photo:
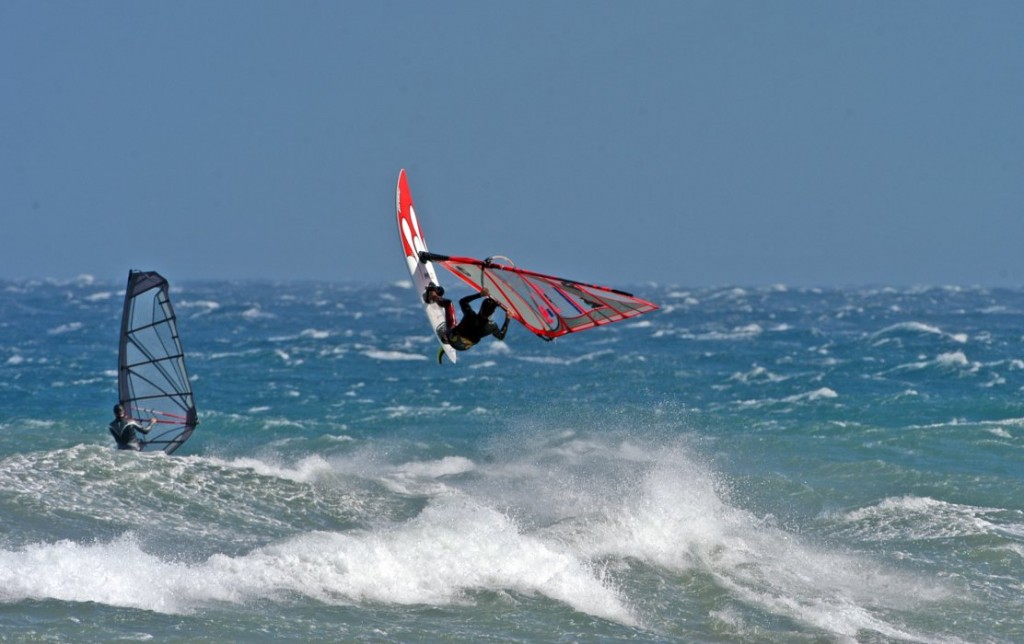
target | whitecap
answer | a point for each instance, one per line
(554, 360)
(817, 394)
(204, 307)
(455, 545)
(918, 518)
(952, 359)
(379, 354)
(255, 313)
(447, 466)
(916, 327)
(408, 411)
(307, 470)
(920, 327)
(757, 374)
(65, 328)
(677, 519)
(678, 295)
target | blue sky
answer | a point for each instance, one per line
(690, 143)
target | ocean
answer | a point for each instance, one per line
(743, 465)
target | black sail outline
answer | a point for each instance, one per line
(152, 380)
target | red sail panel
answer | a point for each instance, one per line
(548, 306)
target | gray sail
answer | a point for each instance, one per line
(152, 381)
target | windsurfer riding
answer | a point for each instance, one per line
(474, 326)
(124, 428)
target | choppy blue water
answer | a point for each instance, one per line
(741, 466)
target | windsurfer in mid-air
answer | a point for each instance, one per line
(474, 326)
(124, 428)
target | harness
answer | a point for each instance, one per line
(125, 435)
(459, 343)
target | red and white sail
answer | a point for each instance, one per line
(422, 273)
(548, 306)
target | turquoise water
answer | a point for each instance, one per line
(743, 465)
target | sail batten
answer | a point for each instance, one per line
(151, 364)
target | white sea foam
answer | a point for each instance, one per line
(920, 327)
(686, 297)
(554, 360)
(380, 354)
(65, 328)
(117, 573)
(455, 545)
(1000, 432)
(919, 518)
(729, 294)
(433, 469)
(576, 502)
(950, 361)
(913, 327)
(203, 307)
(757, 374)
(745, 332)
(232, 354)
(410, 411)
(256, 313)
(273, 423)
(425, 477)
(658, 505)
(823, 393)
(306, 470)
(817, 394)
(287, 358)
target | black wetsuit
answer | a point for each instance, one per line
(124, 430)
(474, 327)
